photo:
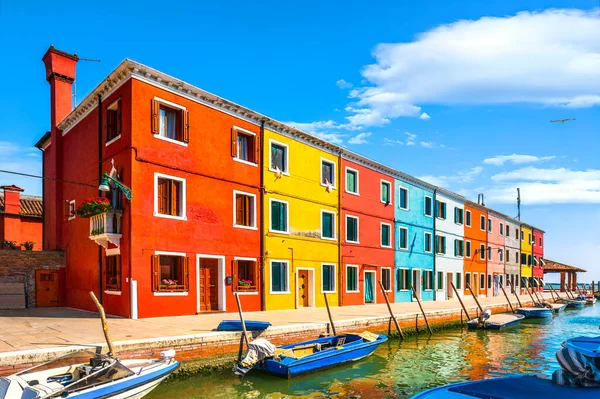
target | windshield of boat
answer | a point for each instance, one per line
(112, 372)
(71, 359)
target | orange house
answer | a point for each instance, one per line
(476, 225)
(20, 219)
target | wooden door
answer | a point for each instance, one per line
(46, 288)
(303, 290)
(209, 298)
(449, 290)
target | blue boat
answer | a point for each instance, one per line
(236, 325)
(574, 303)
(535, 313)
(558, 307)
(587, 346)
(495, 322)
(512, 387)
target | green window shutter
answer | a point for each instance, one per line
(282, 216)
(327, 222)
(275, 216)
(276, 276)
(385, 235)
(350, 181)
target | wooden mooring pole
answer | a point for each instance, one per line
(111, 349)
(551, 291)
(529, 292)
(329, 314)
(390, 310)
(244, 332)
(422, 311)
(461, 302)
(475, 297)
(516, 295)
(506, 296)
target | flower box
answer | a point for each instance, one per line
(93, 206)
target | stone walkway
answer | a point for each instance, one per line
(32, 329)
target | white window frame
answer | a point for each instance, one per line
(541, 242)
(463, 251)
(166, 293)
(423, 274)
(334, 238)
(501, 229)
(501, 255)
(389, 269)
(117, 137)
(458, 209)
(334, 278)
(287, 277)
(400, 235)
(170, 105)
(484, 281)
(287, 157)
(254, 227)
(482, 254)
(249, 133)
(469, 218)
(390, 191)
(431, 243)
(357, 280)
(484, 223)
(522, 235)
(490, 253)
(182, 203)
(400, 188)
(74, 215)
(470, 249)
(346, 169)
(409, 274)
(357, 229)
(390, 237)
(334, 182)
(287, 216)
(425, 206)
(490, 226)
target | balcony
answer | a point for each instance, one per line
(106, 228)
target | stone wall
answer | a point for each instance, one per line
(20, 266)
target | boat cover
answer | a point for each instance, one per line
(525, 387)
(258, 350)
(576, 370)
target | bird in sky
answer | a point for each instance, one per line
(563, 120)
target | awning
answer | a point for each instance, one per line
(542, 260)
(535, 261)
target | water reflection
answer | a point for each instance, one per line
(401, 369)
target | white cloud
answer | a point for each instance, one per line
(426, 144)
(360, 138)
(462, 177)
(411, 138)
(425, 116)
(499, 160)
(20, 159)
(326, 130)
(387, 141)
(342, 84)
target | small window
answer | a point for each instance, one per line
(440, 280)
(113, 273)
(440, 244)
(489, 225)
(458, 281)
(482, 252)
(352, 229)
(440, 209)
(245, 210)
(279, 157)
(501, 254)
(523, 258)
(529, 260)
(170, 273)
(385, 235)
(540, 242)
(403, 280)
(517, 257)
(458, 215)
(467, 280)
(72, 210)
(507, 254)
(482, 223)
(522, 236)
(351, 181)
(170, 199)
(501, 229)
(428, 242)
(428, 280)
(385, 192)
(328, 278)
(386, 278)
(279, 216)
(170, 121)
(489, 278)
(403, 198)
(459, 248)
(279, 276)
(468, 249)
(428, 206)
(246, 275)
(529, 238)
(489, 253)
(468, 218)
(327, 173)
(243, 145)
(328, 225)
(507, 230)
(351, 278)
(113, 121)
(482, 281)
(403, 237)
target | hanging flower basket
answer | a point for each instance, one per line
(93, 206)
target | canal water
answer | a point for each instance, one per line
(401, 369)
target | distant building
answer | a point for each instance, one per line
(20, 219)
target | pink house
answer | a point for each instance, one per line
(496, 233)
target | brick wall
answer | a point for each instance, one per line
(20, 266)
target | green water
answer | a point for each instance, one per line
(401, 369)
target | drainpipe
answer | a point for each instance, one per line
(262, 216)
(99, 192)
(434, 214)
(339, 229)
(43, 193)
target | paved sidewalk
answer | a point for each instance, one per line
(54, 327)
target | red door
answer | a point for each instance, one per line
(209, 300)
(46, 288)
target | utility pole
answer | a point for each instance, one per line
(518, 203)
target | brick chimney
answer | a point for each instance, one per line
(60, 73)
(12, 199)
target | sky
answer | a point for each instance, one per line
(458, 93)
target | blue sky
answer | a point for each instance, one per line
(457, 92)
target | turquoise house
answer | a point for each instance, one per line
(414, 239)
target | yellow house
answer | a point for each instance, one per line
(301, 223)
(526, 253)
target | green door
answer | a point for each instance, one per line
(369, 298)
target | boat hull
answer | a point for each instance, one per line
(497, 323)
(575, 304)
(535, 313)
(236, 325)
(587, 346)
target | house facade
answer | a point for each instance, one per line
(496, 234)
(512, 252)
(20, 219)
(526, 238)
(538, 258)
(475, 252)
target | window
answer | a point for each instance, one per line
(327, 225)
(279, 216)
(243, 145)
(482, 281)
(112, 123)
(517, 257)
(428, 242)
(489, 278)
(403, 282)
(529, 260)
(458, 281)
(507, 254)
(351, 181)
(352, 278)
(468, 249)
(489, 253)
(351, 229)
(386, 278)
(428, 206)
(403, 198)
(440, 244)
(507, 230)
(327, 173)
(279, 277)
(385, 192)
(540, 242)
(244, 210)
(279, 157)
(529, 238)
(428, 280)
(245, 275)
(385, 235)
(113, 273)
(490, 225)
(517, 233)
(170, 273)
(482, 252)
(440, 209)
(170, 121)
(501, 229)
(467, 280)
(71, 212)
(523, 258)
(440, 280)
(468, 218)
(501, 254)
(482, 223)
(328, 278)
(522, 236)
(169, 196)
(403, 237)
(459, 248)
(458, 215)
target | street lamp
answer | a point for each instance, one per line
(104, 185)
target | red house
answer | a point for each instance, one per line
(189, 233)
(20, 219)
(538, 257)
(367, 240)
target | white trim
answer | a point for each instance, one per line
(244, 130)
(254, 227)
(391, 277)
(469, 218)
(134, 299)
(482, 254)
(171, 293)
(484, 223)
(357, 280)
(425, 206)
(181, 143)
(221, 294)
(311, 279)
(334, 238)
(400, 188)
(112, 251)
(243, 258)
(425, 271)
(400, 237)
(169, 103)
(69, 210)
(334, 183)
(490, 226)
(443, 281)
(334, 278)
(470, 249)
(247, 293)
(357, 229)
(374, 284)
(287, 157)
(168, 253)
(390, 235)
(109, 142)
(287, 216)
(419, 287)
(456, 247)
(390, 191)
(425, 233)
(287, 277)
(247, 133)
(183, 202)
(346, 169)
(236, 159)
(409, 275)
(109, 292)
(501, 229)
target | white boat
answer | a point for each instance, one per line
(89, 375)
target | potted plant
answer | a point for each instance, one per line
(28, 245)
(244, 285)
(93, 206)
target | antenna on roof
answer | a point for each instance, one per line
(75, 82)
(518, 203)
